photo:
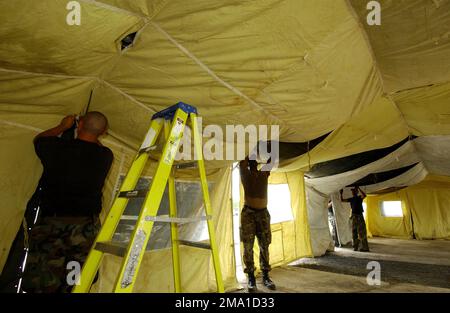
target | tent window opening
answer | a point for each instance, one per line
(391, 208)
(279, 204)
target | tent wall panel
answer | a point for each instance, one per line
(396, 227)
(427, 203)
(20, 172)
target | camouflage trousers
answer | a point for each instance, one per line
(359, 231)
(53, 243)
(255, 223)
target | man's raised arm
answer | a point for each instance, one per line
(65, 124)
(363, 193)
(243, 166)
(342, 199)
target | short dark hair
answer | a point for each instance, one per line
(95, 123)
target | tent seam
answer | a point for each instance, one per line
(18, 125)
(212, 74)
(126, 95)
(367, 41)
(93, 78)
(48, 74)
(437, 84)
(38, 130)
(114, 8)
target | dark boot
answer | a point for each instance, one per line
(355, 244)
(251, 284)
(365, 246)
(268, 282)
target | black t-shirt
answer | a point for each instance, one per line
(73, 178)
(356, 204)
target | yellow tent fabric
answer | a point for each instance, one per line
(427, 203)
(311, 67)
(381, 226)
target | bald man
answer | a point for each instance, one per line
(70, 202)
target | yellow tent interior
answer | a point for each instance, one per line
(311, 67)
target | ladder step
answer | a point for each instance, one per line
(114, 248)
(177, 220)
(147, 149)
(181, 166)
(200, 245)
(133, 194)
(120, 248)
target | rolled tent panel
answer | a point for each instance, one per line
(351, 162)
(321, 240)
(380, 177)
(379, 125)
(434, 151)
(342, 213)
(402, 156)
(414, 176)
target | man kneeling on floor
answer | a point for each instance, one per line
(358, 224)
(255, 221)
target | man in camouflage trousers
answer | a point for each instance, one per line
(255, 222)
(56, 242)
(358, 224)
(69, 205)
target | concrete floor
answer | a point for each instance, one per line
(406, 266)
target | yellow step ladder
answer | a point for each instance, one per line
(173, 120)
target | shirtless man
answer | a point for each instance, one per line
(255, 221)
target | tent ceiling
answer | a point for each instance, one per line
(313, 67)
(412, 44)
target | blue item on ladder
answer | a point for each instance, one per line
(169, 113)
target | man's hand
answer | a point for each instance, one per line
(67, 122)
(362, 192)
